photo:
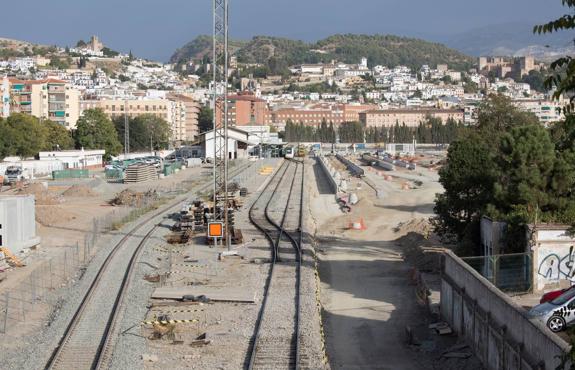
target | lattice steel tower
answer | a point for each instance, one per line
(220, 86)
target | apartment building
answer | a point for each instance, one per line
(409, 117)
(351, 111)
(547, 111)
(50, 99)
(245, 110)
(185, 113)
(307, 116)
(179, 110)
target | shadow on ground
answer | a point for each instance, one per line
(370, 303)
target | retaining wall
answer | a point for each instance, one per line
(499, 330)
(328, 173)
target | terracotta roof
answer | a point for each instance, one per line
(245, 98)
(414, 111)
(35, 82)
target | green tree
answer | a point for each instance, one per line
(146, 131)
(94, 130)
(57, 136)
(468, 181)
(23, 135)
(206, 119)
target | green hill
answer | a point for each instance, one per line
(388, 50)
(198, 48)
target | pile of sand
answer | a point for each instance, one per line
(52, 215)
(79, 191)
(131, 198)
(41, 194)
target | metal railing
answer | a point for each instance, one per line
(508, 272)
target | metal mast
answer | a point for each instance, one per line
(220, 86)
(126, 129)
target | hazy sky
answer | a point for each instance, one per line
(154, 29)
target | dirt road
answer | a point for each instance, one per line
(366, 294)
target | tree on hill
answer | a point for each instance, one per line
(94, 130)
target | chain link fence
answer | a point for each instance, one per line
(39, 294)
(25, 305)
(509, 272)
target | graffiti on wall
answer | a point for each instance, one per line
(556, 267)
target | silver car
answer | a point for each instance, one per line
(558, 313)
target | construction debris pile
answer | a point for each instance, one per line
(134, 199)
(41, 194)
(194, 217)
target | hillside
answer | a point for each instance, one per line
(198, 48)
(278, 53)
(16, 48)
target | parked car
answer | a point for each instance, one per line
(558, 313)
(549, 296)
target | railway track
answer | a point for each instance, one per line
(278, 214)
(88, 339)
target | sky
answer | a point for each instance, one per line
(154, 29)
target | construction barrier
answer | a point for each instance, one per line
(117, 174)
(70, 174)
(167, 322)
(170, 169)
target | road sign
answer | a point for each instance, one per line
(215, 229)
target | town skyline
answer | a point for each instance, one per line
(156, 33)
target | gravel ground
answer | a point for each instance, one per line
(33, 351)
(229, 326)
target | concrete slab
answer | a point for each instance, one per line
(216, 294)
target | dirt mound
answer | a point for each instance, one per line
(100, 186)
(79, 191)
(131, 198)
(417, 225)
(41, 194)
(52, 215)
(419, 245)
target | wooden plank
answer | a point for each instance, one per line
(215, 294)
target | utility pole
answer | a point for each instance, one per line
(220, 132)
(126, 130)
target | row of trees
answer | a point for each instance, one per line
(24, 136)
(431, 131)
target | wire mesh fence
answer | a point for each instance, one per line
(508, 272)
(38, 294)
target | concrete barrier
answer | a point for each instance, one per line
(351, 167)
(329, 173)
(498, 329)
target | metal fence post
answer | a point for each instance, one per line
(7, 301)
(50, 264)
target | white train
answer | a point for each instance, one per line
(289, 152)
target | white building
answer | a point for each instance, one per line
(80, 159)
(238, 142)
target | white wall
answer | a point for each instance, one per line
(17, 217)
(553, 258)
